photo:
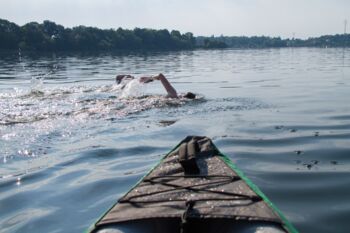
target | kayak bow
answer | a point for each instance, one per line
(194, 188)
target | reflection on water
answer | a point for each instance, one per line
(72, 141)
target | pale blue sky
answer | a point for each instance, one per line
(305, 18)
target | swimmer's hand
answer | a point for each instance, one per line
(146, 79)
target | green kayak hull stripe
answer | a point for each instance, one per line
(286, 224)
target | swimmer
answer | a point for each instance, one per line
(160, 77)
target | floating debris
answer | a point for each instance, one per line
(309, 166)
(298, 152)
(167, 122)
(315, 162)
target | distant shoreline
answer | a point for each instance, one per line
(51, 37)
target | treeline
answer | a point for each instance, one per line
(50, 36)
(243, 41)
(342, 40)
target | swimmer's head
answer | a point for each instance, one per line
(190, 95)
(119, 78)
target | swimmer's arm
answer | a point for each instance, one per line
(146, 79)
(166, 84)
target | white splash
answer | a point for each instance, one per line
(36, 85)
(133, 89)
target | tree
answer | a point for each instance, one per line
(10, 34)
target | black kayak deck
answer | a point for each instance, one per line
(195, 182)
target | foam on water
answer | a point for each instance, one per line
(42, 114)
(34, 117)
(36, 85)
(132, 89)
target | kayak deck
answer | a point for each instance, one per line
(193, 187)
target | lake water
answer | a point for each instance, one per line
(72, 142)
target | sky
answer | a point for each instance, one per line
(284, 18)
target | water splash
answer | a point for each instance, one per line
(31, 121)
(36, 85)
(133, 89)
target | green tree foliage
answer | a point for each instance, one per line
(241, 42)
(269, 42)
(49, 36)
(210, 44)
(10, 34)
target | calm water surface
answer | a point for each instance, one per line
(72, 142)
